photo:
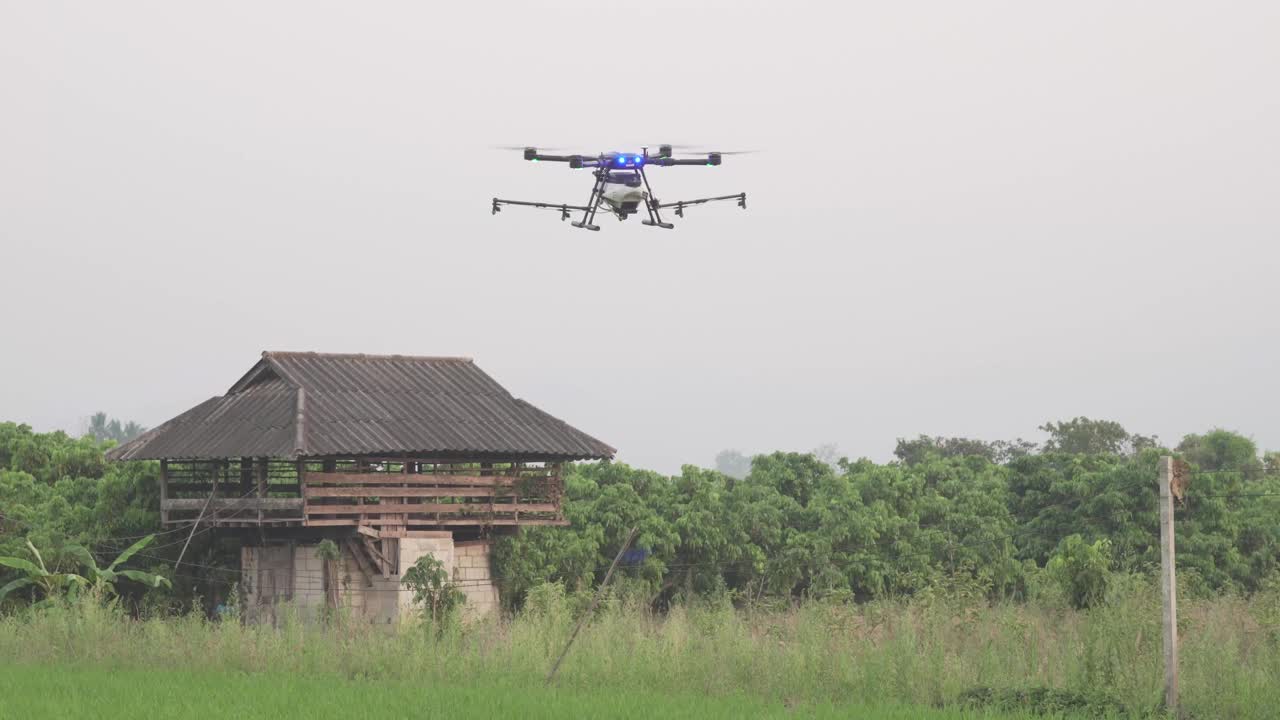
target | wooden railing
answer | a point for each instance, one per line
(230, 493)
(403, 500)
(389, 496)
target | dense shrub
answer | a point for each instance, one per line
(1082, 570)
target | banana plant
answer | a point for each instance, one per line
(38, 575)
(105, 578)
(56, 584)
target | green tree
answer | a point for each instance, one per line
(1223, 451)
(918, 450)
(434, 594)
(733, 463)
(60, 492)
(1082, 436)
(102, 429)
(1054, 495)
(951, 513)
(1271, 463)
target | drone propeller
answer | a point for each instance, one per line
(698, 149)
(719, 152)
(521, 148)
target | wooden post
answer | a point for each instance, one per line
(300, 471)
(246, 476)
(595, 602)
(293, 570)
(1168, 588)
(262, 479)
(164, 491)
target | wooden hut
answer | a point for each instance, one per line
(389, 456)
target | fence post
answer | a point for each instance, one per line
(1168, 587)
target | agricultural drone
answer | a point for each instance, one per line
(621, 186)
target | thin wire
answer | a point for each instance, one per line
(182, 528)
(1193, 496)
(108, 541)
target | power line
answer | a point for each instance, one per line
(184, 528)
(1232, 495)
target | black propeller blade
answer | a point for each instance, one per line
(521, 148)
(718, 152)
(702, 150)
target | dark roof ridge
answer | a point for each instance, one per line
(365, 356)
(291, 405)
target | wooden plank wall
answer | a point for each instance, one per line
(405, 494)
(390, 495)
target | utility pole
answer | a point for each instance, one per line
(1168, 587)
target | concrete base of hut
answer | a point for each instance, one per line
(289, 576)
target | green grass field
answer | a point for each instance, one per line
(920, 659)
(89, 693)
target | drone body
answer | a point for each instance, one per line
(621, 186)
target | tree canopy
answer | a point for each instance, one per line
(102, 428)
(991, 515)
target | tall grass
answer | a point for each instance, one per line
(33, 692)
(925, 652)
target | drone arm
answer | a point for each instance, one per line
(680, 205)
(563, 208)
(575, 161)
(712, 159)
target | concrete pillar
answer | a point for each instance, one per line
(474, 575)
(267, 574)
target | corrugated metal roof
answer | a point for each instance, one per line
(313, 404)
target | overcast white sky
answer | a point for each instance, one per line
(969, 218)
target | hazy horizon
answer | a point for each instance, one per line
(966, 219)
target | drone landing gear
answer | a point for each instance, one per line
(651, 204)
(593, 203)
